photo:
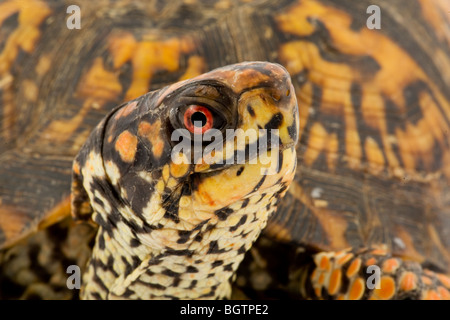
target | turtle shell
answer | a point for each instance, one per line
(374, 151)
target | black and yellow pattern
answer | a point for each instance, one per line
(374, 107)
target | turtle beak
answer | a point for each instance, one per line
(272, 106)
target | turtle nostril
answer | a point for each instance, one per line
(288, 92)
(276, 96)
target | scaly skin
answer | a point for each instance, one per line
(179, 231)
(374, 149)
(346, 275)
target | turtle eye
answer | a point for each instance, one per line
(198, 119)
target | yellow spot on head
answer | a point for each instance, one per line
(166, 173)
(179, 170)
(160, 186)
(199, 167)
(112, 171)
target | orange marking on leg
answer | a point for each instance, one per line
(444, 293)
(371, 261)
(335, 281)
(379, 252)
(152, 131)
(126, 146)
(324, 263)
(76, 167)
(353, 268)
(321, 279)
(427, 280)
(390, 265)
(444, 279)
(431, 295)
(429, 272)
(356, 290)
(318, 292)
(343, 260)
(408, 281)
(386, 290)
(314, 275)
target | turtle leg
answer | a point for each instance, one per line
(371, 274)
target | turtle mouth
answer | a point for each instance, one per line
(221, 187)
(252, 154)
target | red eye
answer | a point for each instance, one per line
(198, 119)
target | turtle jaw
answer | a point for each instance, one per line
(220, 188)
(198, 237)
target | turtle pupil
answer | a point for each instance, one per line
(199, 118)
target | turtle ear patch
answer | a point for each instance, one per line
(80, 205)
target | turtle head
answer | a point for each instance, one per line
(188, 174)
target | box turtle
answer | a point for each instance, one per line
(356, 207)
